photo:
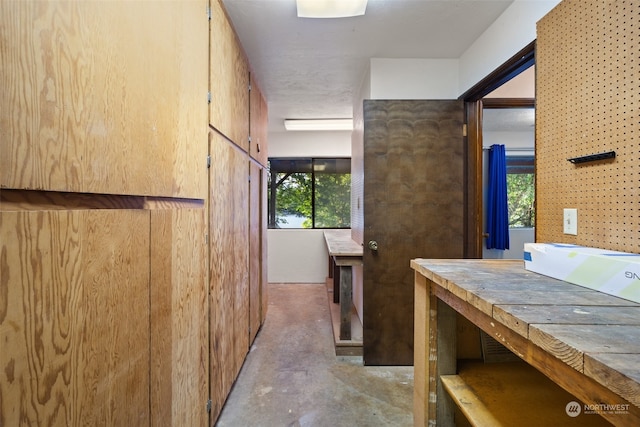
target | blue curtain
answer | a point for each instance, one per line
(497, 209)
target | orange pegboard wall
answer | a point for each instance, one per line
(588, 102)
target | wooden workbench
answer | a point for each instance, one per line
(584, 341)
(344, 253)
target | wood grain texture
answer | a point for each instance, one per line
(574, 355)
(264, 296)
(229, 265)
(586, 103)
(519, 317)
(256, 258)
(99, 101)
(115, 356)
(571, 342)
(27, 200)
(229, 76)
(74, 317)
(625, 377)
(258, 123)
(413, 198)
(179, 321)
(41, 318)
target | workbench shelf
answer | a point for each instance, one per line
(510, 394)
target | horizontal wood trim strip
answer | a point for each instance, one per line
(29, 200)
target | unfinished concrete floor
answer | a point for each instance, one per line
(292, 376)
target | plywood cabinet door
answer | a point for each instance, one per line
(104, 97)
(259, 124)
(229, 265)
(179, 319)
(229, 77)
(74, 317)
(256, 255)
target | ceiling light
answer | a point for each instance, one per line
(330, 8)
(318, 124)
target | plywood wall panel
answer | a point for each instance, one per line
(98, 100)
(74, 317)
(587, 103)
(229, 77)
(259, 121)
(229, 265)
(179, 321)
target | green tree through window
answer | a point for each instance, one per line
(309, 193)
(521, 191)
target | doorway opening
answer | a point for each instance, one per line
(500, 98)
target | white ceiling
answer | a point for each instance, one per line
(311, 68)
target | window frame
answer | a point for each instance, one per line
(272, 189)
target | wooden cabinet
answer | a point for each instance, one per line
(122, 256)
(74, 317)
(100, 98)
(229, 76)
(258, 126)
(179, 316)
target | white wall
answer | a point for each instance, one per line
(510, 33)
(414, 78)
(310, 144)
(517, 238)
(297, 256)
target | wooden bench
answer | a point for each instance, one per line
(581, 341)
(344, 253)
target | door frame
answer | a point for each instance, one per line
(473, 106)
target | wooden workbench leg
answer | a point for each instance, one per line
(445, 359)
(434, 355)
(420, 351)
(336, 281)
(345, 302)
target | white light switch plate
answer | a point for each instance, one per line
(571, 221)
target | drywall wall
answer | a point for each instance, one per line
(310, 144)
(511, 32)
(414, 78)
(297, 256)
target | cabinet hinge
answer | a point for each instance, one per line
(209, 12)
(208, 97)
(249, 139)
(209, 404)
(208, 161)
(464, 129)
(249, 87)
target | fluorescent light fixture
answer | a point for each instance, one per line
(330, 8)
(318, 124)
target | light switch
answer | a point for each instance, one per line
(571, 221)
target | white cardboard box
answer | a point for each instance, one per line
(611, 272)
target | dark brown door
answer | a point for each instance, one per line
(413, 208)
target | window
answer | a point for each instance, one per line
(521, 191)
(309, 193)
